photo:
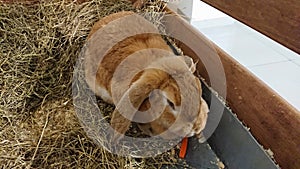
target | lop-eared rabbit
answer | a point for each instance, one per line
(162, 72)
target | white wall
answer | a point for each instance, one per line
(195, 9)
(184, 7)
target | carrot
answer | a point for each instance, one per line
(183, 147)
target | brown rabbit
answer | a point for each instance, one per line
(156, 69)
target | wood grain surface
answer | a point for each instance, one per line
(272, 121)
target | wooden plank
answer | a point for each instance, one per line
(278, 19)
(273, 122)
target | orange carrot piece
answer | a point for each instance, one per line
(183, 147)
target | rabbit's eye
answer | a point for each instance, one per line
(171, 104)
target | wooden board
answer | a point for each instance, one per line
(272, 121)
(278, 19)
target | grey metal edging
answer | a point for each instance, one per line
(234, 144)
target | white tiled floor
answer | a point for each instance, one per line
(276, 65)
(297, 62)
(247, 50)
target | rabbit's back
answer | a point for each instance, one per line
(101, 83)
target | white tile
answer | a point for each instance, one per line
(248, 51)
(282, 77)
(202, 10)
(291, 55)
(186, 8)
(297, 61)
(227, 26)
(211, 23)
(244, 27)
(218, 28)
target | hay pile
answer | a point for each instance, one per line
(38, 126)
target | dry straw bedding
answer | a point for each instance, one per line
(38, 126)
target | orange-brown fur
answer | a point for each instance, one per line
(146, 81)
(123, 49)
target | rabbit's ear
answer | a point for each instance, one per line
(132, 100)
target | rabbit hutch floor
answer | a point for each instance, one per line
(40, 44)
